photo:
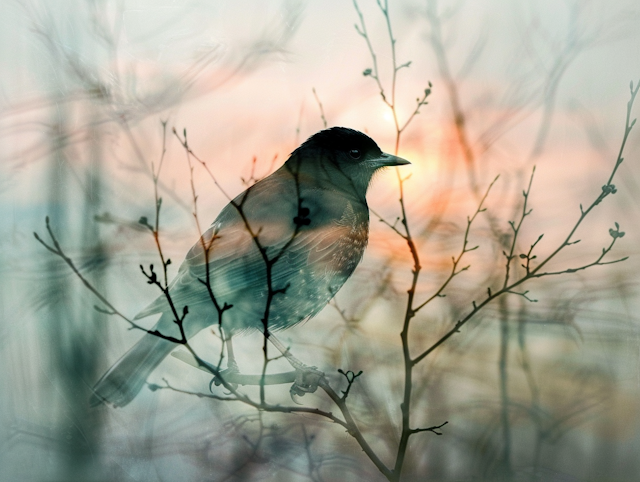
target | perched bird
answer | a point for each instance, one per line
(310, 216)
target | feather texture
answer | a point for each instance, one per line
(309, 221)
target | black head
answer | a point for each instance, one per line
(346, 156)
(342, 140)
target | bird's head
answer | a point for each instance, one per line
(344, 157)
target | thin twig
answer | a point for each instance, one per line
(324, 119)
(536, 272)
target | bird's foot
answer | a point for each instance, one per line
(307, 381)
(226, 375)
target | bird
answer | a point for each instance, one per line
(292, 238)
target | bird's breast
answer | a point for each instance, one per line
(354, 229)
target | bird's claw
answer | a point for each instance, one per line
(225, 375)
(307, 380)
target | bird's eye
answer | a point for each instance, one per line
(354, 153)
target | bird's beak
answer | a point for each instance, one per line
(386, 160)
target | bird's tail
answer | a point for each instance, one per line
(128, 375)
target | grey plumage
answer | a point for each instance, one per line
(313, 209)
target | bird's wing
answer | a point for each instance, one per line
(236, 266)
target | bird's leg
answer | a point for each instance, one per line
(232, 365)
(293, 361)
(307, 378)
(231, 358)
